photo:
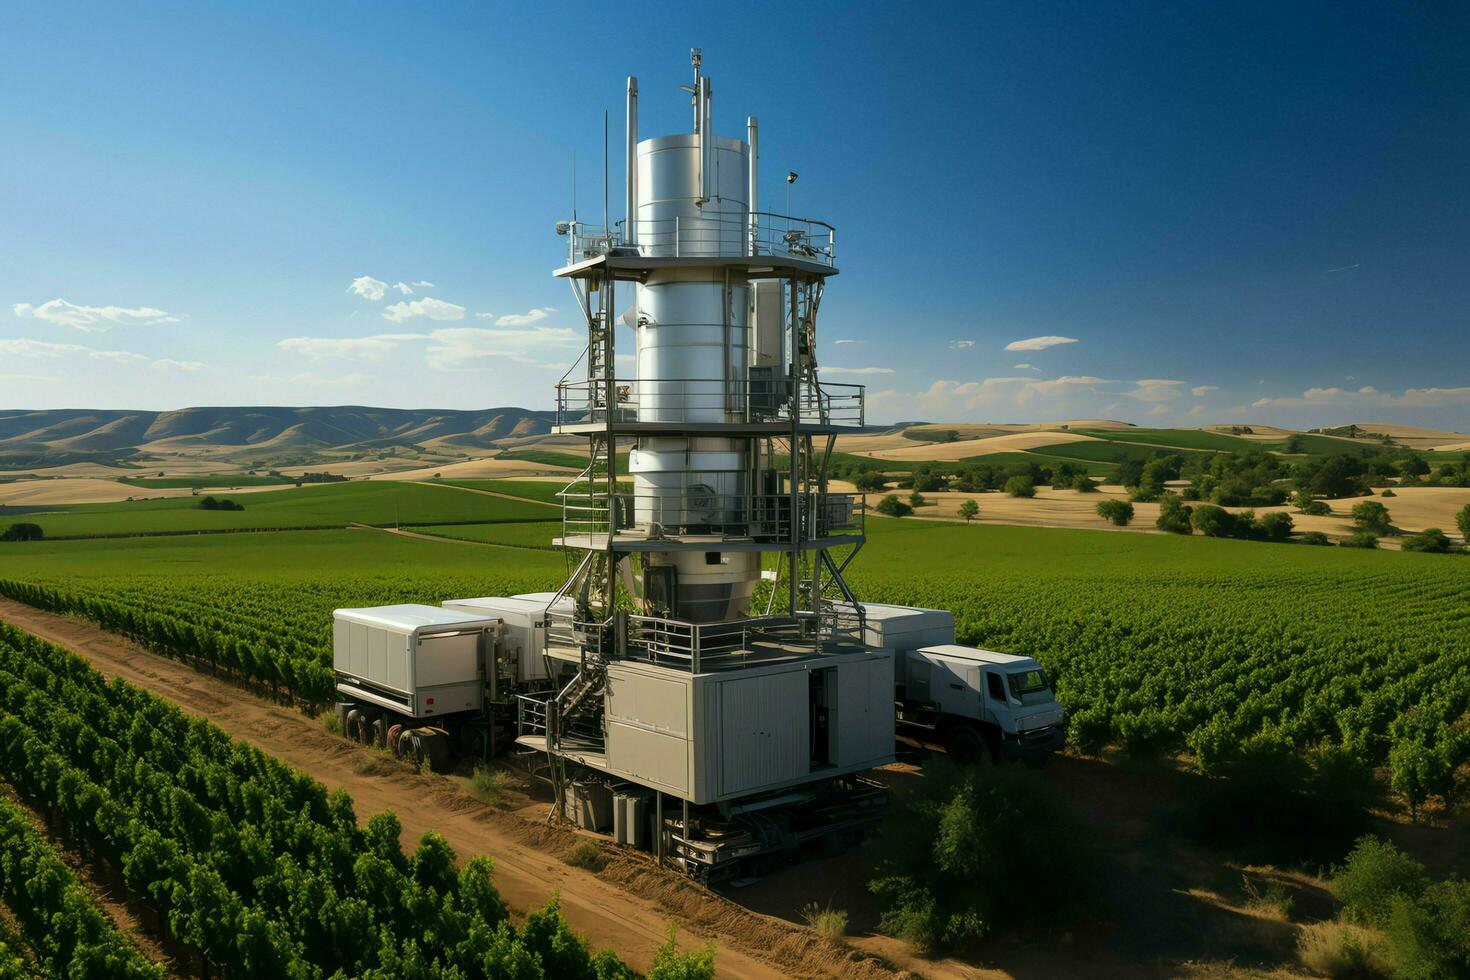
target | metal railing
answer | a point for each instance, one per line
(712, 235)
(709, 400)
(699, 510)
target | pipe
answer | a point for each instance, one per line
(752, 152)
(630, 196)
(706, 140)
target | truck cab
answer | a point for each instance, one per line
(981, 701)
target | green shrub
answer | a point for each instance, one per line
(670, 964)
(1020, 486)
(967, 853)
(968, 509)
(824, 920)
(1276, 526)
(1120, 512)
(891, 506)
(1371, 516)
(1359, 539)
(1173, 515)
(1431, 539)
(1083, 483)
(916, 499)
(1430, 936)
(1315, 537)
(1389, 493)
(1462, 521)
(487, 785)
(1374, 874)
(587, 856)
(24, 531)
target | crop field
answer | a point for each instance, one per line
(248, 863)
(322, 506)
(1113, 451)
(1157, 644)
(200, 482)
(538, 534)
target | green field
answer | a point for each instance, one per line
(552, 457)
(317, 506)
(543, 490)
(1176, 439)
(1114, 452)
(226, 480)
(1157, 643)
(522, 535)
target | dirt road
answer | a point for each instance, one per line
(626, 906)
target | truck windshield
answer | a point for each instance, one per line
(1030, 686)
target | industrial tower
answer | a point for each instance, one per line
(669, 671)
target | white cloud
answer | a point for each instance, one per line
(1159, 410)
(1024, 367)
(434, 309)
(424, 284)
(1196, 410)
(372, 348)
(93, 319)
(28, 377)
(1369, 395)
(472, 348)
(404, 288)
(169, 364)
(847, 341)
(1156, 390)
(961, 344)
(485, 316)
(1039, 343)
(1203, 390)
(313, 378)
(25, 347)
(856, 370)
(524, 319)
(368, 288)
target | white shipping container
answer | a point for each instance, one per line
(718, 736)
(420, 661)
(522, 641)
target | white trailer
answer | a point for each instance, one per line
(420, 669)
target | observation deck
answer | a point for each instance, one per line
(751, 406)
(762, 243)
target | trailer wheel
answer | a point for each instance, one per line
(365, 719)
(379, 730)
(393, 740)
(430, 749)
(350, 729)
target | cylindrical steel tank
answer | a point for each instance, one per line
(692, 340)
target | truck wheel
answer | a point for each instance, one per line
(380, 732)
(967, 748)
(365, 719)
(393, 739)
(350, 729)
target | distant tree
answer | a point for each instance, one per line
(1389, 493)
(1361, 539)
(1276, 526)
(1213, 521)
(1120, 512)
(1431, 539)
(1295, 444)
(209, 503)
(1372, 517)
(1082, 483)
(1306, 504)
(23, 532)
(1414, 466)
(928, 481)
(1315, 537)
(869, 481)
(968, 509)
(1020, 486)
(891, 506)
(1130, 471)
(1173, 515)
(916, 499)
(1462, 521)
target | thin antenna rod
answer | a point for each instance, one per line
(606, 216)
(574, 186)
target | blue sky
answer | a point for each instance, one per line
(1230, 213)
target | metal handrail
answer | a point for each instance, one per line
(699, 400)
(709, 235)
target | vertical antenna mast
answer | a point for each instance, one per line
(606, 217)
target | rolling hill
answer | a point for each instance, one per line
(264, 434)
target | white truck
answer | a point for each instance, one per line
(971, 701)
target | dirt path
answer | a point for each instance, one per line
(442, 539)
(487, 493)
(626, 906)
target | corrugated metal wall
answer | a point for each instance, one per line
(764, 738)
